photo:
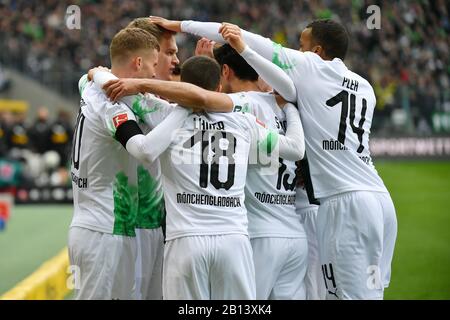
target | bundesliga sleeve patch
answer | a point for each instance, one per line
(119, 119)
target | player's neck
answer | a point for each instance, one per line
(243, 86)
(120, 72)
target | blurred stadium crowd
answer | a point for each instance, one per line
(36, 154)
(407, 60)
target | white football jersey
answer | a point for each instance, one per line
(336, 106)
(150, 210)
(104, 175)
(269, 199)
(205, 171)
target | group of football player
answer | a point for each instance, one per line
(250, 177)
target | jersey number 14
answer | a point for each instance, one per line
(342, 97)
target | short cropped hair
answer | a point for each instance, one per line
(201, 71)
(130, 40)
(332, 36)
(152, 28)
(227, 55)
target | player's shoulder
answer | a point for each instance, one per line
(250, 101)
(96, 99)
(247, 120)
(260, 95)
(311, 57)
(93, 94)
(363, 83)
(157, 102)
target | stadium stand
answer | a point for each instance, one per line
(407, 60)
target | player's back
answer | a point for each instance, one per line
(270, 198)
(104, 175)
(204, 172)
(336, 106)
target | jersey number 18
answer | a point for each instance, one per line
(219, 150)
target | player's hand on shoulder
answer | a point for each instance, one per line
(171, 25)
(92, 72)
(233, 35)
(119, 88)
(205, 48)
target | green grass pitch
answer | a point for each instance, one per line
(421, 266)
(421, 194)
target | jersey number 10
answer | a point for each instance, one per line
(76, 145)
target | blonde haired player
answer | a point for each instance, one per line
(105, 184)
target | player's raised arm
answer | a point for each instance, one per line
(184, 94)
(147, 148)
(269, 72)
(293, 143)
(285, 58)
(211, 31)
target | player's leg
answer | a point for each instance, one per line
(315, 288)
(232, 271)
(268, 261)
(350, 235)
(139, 270)
(390, 236)
(290, 283)
(83, 255)
(186, 268)
(122, 251)
(103, 260)
(149, 263)
(154, 287)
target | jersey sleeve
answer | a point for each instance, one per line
(115, 114)
(82, 83)
(271, 73)
(147, 148)
(268, 142)
(285, 58)
(263, 139)
(152, 110)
